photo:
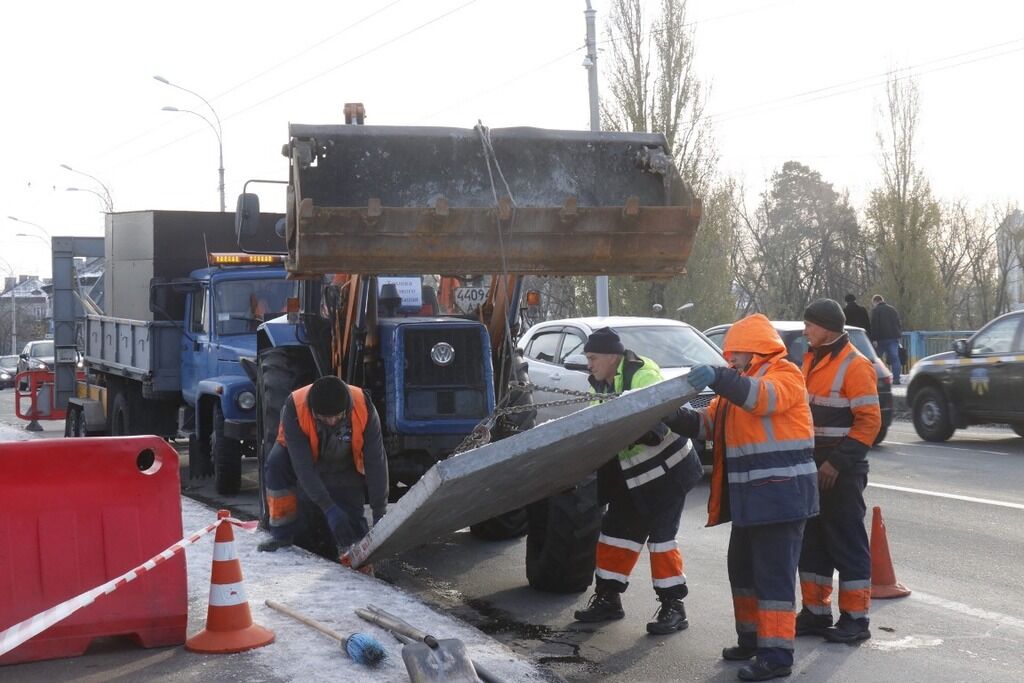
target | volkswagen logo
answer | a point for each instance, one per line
(442, 353)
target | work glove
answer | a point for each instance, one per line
(700, 376)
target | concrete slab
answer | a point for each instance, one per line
(493, 479)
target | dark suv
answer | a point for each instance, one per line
(981, 380)
(792, 333)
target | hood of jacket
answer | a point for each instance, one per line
(753, 334)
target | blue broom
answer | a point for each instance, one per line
(360, 647)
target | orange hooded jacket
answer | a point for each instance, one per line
(764, 468)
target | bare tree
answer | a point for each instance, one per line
(903, 217)
(653, 87)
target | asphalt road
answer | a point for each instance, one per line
(954, 514)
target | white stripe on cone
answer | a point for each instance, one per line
(223, 552)
(227, 594)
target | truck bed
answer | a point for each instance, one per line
(142, 350)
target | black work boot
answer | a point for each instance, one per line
(738, 653)
(763, 671)
(848, 630)
(671, 617)
(810, 624)
(603, 606)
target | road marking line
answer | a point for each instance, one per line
(977, 612)
(952, 496)
(949, 447)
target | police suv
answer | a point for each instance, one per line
(980, 381)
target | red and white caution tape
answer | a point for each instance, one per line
(22, 631)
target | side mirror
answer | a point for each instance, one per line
(576, 361)
(960, 347)
(23, 356)
(247, 215)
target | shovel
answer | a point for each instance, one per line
(428, 659)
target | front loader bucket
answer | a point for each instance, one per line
(390, 199)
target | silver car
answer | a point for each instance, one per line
(554, 351)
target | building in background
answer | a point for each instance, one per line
(1010, 241)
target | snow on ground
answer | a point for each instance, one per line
(324, 591)
(328, 593)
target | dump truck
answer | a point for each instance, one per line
(410, 245)
(164, 359)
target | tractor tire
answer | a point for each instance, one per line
(931, 415)
(561, 543)
(280, 371)
(512, 524)
(226, 455)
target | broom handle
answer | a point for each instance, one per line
(307, 621)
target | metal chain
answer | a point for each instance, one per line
(481, 434)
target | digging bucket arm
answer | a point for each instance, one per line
(391, 199)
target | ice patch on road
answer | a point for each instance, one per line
(904, 643)
(14, 434)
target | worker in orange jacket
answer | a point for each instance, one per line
(329, 444)
(842, 388)
(764, 481)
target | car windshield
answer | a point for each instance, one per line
(670, 347)
(8, 361)
(241, 305)
(41, 350)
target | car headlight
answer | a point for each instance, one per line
(246, 400)
(37, 364)
(5, 375)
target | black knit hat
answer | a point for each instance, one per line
(826, 313)
(604, 340)
(850, 298)
(328, 396)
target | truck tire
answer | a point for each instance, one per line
(226, 455)
(120, 416)
(561, 543)
(279, 372)
(931, 415)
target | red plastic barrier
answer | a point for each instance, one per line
(77, 513)
(38, 394)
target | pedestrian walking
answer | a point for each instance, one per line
(843, 392)
(645, 487)
(886, 332)
(763, 481)
(856, 314)
(329, 444)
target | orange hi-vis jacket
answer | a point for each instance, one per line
(842, 388)
(763, 470)
(308, 423)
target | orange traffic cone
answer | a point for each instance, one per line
(883, 577)
(229, 626)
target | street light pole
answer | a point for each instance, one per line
(106, 205)
(590, 63)
(34, 225)
(218, 130)
(108, 199)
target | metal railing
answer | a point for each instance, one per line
(920, 344)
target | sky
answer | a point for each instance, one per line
(789, 80)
